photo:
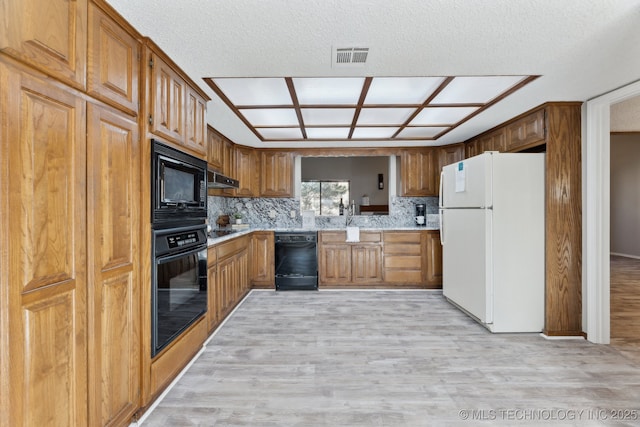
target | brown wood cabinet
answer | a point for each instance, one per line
(49, 35)
(417, 172)
(447, 155)
(526, 132)
(113, 59)
(231, 266)
(177, 107)
(276, 168)
(246, 171)
(262, 259)
(344, 263)
(433, 254)
(404, 260)
(43, 284)
(215, 149)
(113, 260)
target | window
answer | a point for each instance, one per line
(324, 197)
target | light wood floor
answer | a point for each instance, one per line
(625, 301)
(385, 358)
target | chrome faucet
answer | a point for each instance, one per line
(351, 211)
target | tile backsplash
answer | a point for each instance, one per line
(278, 213)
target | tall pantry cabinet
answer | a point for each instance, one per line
(70, 188)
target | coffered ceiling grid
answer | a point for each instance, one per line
(360, 108)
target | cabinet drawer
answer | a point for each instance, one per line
(403, 276)
(341, 236)
(404, 262)
(402, 248)
(231, 247)
(402, 237)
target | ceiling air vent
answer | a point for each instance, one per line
(350, 56)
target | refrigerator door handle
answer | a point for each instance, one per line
(441, 227)
(440, 200)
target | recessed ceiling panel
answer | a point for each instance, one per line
(385, 108)
(275, 134)
(442, 115)
(387, 116)
(250, 91)
(401, 90)
(328, 133)
(328, 91)
(475, 90)
(421, 132)
(327, 116)
(374, 132)
(271, 117)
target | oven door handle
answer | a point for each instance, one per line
(162, 259)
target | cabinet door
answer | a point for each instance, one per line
(246, 169)
(225, 285)
(215, 149)
(168, 94)
(213, 297)
(526, 132)
(447, 155)
(366, 264)
(113, 62)
(276, 174)
(43, 223)
(262, 259)
(49, 35)
(334, 264)
(114, 291)
(434, 259)
(196, 122)
(417, 173)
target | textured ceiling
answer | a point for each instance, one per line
(580, 48)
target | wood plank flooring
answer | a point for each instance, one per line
(625, 301)
(391, 358)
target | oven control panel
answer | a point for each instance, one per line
(179, 240)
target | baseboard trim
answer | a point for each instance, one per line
(625, 255)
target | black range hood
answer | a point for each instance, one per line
(217, 180)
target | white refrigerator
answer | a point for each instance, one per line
(492, 232)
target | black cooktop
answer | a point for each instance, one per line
(221, 232)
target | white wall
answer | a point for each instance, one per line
(625, 194)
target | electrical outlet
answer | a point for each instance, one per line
(272, 214)
(292, 214)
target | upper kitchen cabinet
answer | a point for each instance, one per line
(276, 169)
(49, 35)
(494, 141)
(215, 149)
(113, 58)
(447, 155)
(246, 171)
(177, 106)
(196, 125)
(417, 172)
(526, 132)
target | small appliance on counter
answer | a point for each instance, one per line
(421, 217)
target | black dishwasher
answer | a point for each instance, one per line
(296, 259)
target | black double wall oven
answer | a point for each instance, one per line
(179, 243)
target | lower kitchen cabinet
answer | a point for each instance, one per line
(434, 259)
(411, 259)
(404, 260)
(228, 277)
(262, 259)
(341, 263)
